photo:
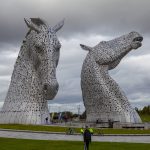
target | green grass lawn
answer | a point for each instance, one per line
(77, 130)
(34, 127)
(145, 117)
(21, 144)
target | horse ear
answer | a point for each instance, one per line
(87, 48)
(58, 26)
(31, 25)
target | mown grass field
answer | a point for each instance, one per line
(34, 127)
(77, 130)
(21, 144)
(145, 117)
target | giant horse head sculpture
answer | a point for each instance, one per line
(33, 81)
(43, 49)
(103, 98)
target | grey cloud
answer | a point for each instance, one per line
(140, 104)
(5, 71)
(67, 99)
(82, 17)
(4, 83)
(85, 20)
(7, 59)
(2, 95)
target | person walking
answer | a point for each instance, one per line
(87, 138)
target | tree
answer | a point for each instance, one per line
(145, 110)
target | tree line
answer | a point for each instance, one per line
(145, 110)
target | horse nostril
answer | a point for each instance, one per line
(56, 87)
(45, 87)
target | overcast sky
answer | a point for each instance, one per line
(87, 22)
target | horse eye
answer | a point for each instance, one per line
(57, 49)
(39, 48)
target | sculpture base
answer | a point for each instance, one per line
(113, 117)
(24, 117)
(119, 125)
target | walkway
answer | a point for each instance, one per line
(51, 136)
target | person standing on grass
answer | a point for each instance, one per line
(87, 138)
(46, 119)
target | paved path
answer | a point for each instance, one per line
(48, 136)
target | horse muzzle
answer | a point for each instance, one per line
(50, 90)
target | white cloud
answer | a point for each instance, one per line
(73, 107)
(1, 104)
